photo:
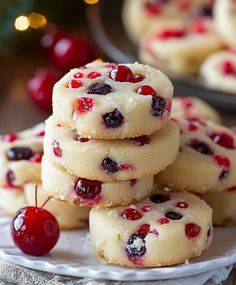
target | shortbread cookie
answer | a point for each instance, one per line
(223, 205)
(20, 157)
(218, 71)
(165, 229)
(225, 20)
(106, 160)
(192, 107)
(139, 15)
(63, 186)
(178, 48)
(11, 200)
(69, 217)
(109, 101)
(206, 160)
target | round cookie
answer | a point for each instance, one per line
(192, 107)
(223, 205)
(12, 199)
(109, 161)
(110, 101)
(178, 48)
(139, 15)
(165, 229)
(69, 217)
(218, 71)
(63, 186)
(225, 20)
(206, 161)
(20, 157)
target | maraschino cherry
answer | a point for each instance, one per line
(34, 230)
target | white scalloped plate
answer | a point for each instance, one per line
(73, 257)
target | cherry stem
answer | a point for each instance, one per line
(36, 196)
(45, 202)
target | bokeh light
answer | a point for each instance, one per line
(21, 23)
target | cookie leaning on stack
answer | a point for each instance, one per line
(20, 161)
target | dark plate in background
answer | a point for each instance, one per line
(107, 30)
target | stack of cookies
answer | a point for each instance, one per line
(109, 134)
(206, 163)
(20, 164)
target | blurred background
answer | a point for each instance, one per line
(41, 40)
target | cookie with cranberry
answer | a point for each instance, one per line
(108, 161)
(206, 161)
(69, 217)
(59, 184)
(20, 157)
(12, 199)
(223, 205)
(165, 229)
(139, 15)
(225, 21)
(179, 49)
(192, 107)
(110, 101)
(218, 71)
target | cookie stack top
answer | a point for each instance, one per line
(111, 101)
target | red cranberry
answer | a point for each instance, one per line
(192, 230)
(37, 158)
(158, 106)
(88, 189)
(200, 146)
(74, 84)
(199, 26)
(133, 182)
(94, 74)
(99, 88)
(121, 73)
(84, 105)
(192, 127)
(137, 78)
(222, 161)
(41, 134)
(182, 205)
(173, 215)
(113, 119)
(40, 88)
(232, 189)
(159, 198)
(171, 34)
(9, 137)
(227, 68)
(51, 37)
(223, 139)
(125, 167)
(81, 139)
(144, 230)
(163, 221)
(10, 177)
(110, 165)
(153, 9)
(35, 231)
(146, 208)
(19, 153)
(78, 75)
(131, 214)
(146, 90)
(131, 248)
(56, 149)
(142, 140)
(186, 102)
